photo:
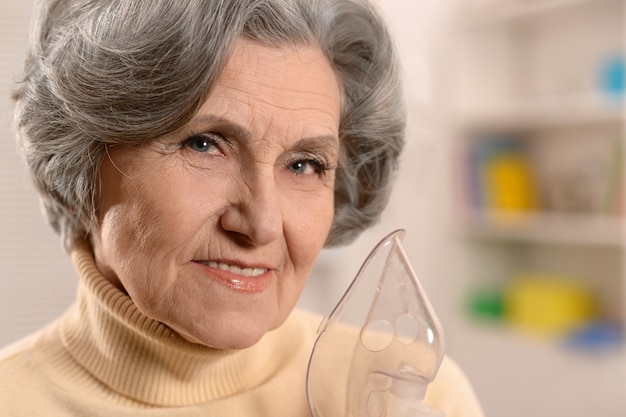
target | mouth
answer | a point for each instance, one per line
(237, 278)
(237, 270)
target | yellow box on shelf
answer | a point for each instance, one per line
(548, 305)
(504, 179)
(509, 183)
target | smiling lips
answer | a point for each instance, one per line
(236, 278)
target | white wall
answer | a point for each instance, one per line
(36, 279)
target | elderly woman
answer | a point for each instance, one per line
(195, 156)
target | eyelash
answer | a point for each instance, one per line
(211, 140)
(319, 164)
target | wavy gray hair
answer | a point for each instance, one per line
(129, 71)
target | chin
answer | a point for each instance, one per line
(242, 337)
(234, 343)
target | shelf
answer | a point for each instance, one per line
(509, 11)
(571, 229)
(505, 337)
(540, 104)
(545, 113)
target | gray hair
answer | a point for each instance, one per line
(127, 72)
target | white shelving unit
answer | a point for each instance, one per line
(530, 71)
(499, 12)
(544, 228)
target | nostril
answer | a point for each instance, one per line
(252, 223)
(240, 239)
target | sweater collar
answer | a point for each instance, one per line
(147, 361)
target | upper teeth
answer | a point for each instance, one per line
(247, 272)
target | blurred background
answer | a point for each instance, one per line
(510, 190)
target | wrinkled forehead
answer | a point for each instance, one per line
(269, 86)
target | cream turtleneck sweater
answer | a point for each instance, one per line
(104, 358)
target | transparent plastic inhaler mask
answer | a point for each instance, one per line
(381, 346)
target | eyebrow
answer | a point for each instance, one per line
(231, 128)
(223, 124)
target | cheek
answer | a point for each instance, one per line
(306, 228)
(129, 226)
(125, 245)
(155, 213)
(141, 231)
(309, 225)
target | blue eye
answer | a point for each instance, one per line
(201, 143)
(299, 167)
(308, 167)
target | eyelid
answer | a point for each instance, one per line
(210, 135)
(311, 156)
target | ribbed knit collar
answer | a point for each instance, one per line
(145, 360)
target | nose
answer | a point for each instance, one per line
(254, 215)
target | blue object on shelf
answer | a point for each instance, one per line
(613, 77)
(599, 335)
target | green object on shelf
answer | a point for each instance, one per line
(486, 303)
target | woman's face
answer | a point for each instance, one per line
(213, 230)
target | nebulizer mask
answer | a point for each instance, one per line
(383, 340)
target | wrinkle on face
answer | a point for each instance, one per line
(165, 208)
